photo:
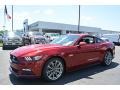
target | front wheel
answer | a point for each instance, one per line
(4, 47)
(53, 69)
(107, 58)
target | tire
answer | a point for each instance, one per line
(107, 58)
(4, 48)
(53, 69)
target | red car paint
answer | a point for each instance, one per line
(74, 56)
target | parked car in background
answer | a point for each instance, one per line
(67, 53)
(115, 38)
(37, 38)
(52, 36)
(11, 40)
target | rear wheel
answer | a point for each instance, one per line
(53, 69)
(107, 58)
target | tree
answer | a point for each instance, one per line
(3, 31)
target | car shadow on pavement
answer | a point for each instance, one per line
(67, 78)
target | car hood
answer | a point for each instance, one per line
(37, 36)
(13, 37)
(33, 49)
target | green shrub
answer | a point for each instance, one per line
(0, 41)
(1, 44)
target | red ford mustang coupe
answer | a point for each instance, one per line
(66, 53)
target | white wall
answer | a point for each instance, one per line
(63, 27)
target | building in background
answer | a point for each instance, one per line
(51, 27)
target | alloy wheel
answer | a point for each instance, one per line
(54, 69)
(108, 58)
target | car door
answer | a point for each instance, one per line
(100, 48)
(84, 54)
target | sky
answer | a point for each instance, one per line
(101, 16)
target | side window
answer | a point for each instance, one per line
(88, 40)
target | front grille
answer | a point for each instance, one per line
(27, 73)
(40, 40)
(14, 59)
(16, 39)
(15, 70)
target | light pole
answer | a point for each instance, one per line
(12, 17)
(79, 21)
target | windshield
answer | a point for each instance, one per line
(65, 40)
(19, 33)
(10, 34)
(53, 34)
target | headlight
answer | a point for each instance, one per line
(35, 58)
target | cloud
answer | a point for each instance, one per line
(37, 12)
(1, 7)
(20, 17)
(36, 15)
(49, 12)
(87, 18)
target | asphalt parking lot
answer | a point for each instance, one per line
(95, 75)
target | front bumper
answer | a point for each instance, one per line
(25, 75)
(27, 70)
(9, 47)
(12, 43)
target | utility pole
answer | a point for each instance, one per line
(79, 21)
(12, 17)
